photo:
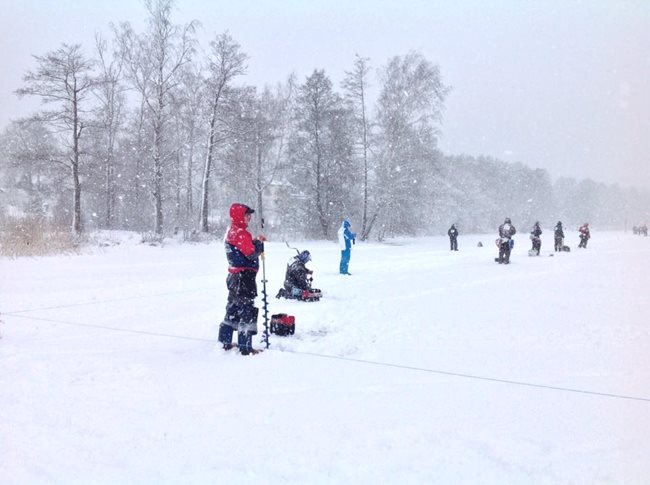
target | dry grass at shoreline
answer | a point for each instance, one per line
(34, 236)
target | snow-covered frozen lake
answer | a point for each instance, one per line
(424, 366)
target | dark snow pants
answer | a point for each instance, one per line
(241, 314)
(537, 245)
(453, 242)
(504, 252)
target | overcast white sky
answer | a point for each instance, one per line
(557, 84)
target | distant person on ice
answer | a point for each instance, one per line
(298, 280)
(535, 236)
(559, 236)
(346, 239)
(506, 231)
(584, 235)
(453, 238)
(242, 252)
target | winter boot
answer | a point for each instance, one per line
(251, 352)
(225, 336)
(245, 344)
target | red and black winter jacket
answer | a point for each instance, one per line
(241, 250)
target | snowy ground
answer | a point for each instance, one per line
(412, 370)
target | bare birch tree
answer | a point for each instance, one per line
(356, 85)
(63, 78)
(155, 60)
(225, 62)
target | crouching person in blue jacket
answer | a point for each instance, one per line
(243, 263)
(346, 240)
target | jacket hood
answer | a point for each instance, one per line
(346, 224)
(304, 257)
(237, 213)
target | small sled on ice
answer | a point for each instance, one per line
(311, 294)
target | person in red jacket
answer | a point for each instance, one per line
(242, 252)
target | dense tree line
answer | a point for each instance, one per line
(477, 193)
(144, 133)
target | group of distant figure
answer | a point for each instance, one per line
(244, 252)
(507, 230)
(640, 230)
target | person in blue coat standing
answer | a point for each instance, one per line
(346, 240)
